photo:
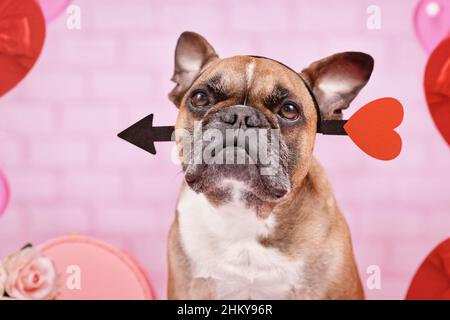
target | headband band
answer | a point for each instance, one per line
(328, 127)
(371, 128)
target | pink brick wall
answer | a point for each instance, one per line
(69, 172)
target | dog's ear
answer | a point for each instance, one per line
(192, 53)
(336, 80)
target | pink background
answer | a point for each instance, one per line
(69, 173)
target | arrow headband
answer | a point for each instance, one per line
(371, 127)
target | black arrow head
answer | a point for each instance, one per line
(141, 134)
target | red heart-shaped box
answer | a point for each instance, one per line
(437, 87)
(22, 34)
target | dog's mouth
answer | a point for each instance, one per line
(258, 166)
(232, 151)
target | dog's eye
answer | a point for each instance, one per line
(289, 111)
(199, 99)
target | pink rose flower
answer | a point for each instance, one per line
(2, 279)
(30, 276)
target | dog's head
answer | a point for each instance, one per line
(252, 120)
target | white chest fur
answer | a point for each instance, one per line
(222, 244)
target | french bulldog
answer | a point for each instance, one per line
(242, 234)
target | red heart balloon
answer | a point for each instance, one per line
(22, 34)
(372, 128)
(437, 87)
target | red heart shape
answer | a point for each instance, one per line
(22, 34)
(437, 87)
(372, 128)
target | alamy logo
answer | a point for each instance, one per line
(374, 279)
(73, 21)
(230, 146)
(73, 281)
(374, 19)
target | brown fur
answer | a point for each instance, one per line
(309, 223)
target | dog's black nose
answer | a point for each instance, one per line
(242, 117)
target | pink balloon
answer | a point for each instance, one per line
(432, 22)
(53, 8)
(4, 193)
